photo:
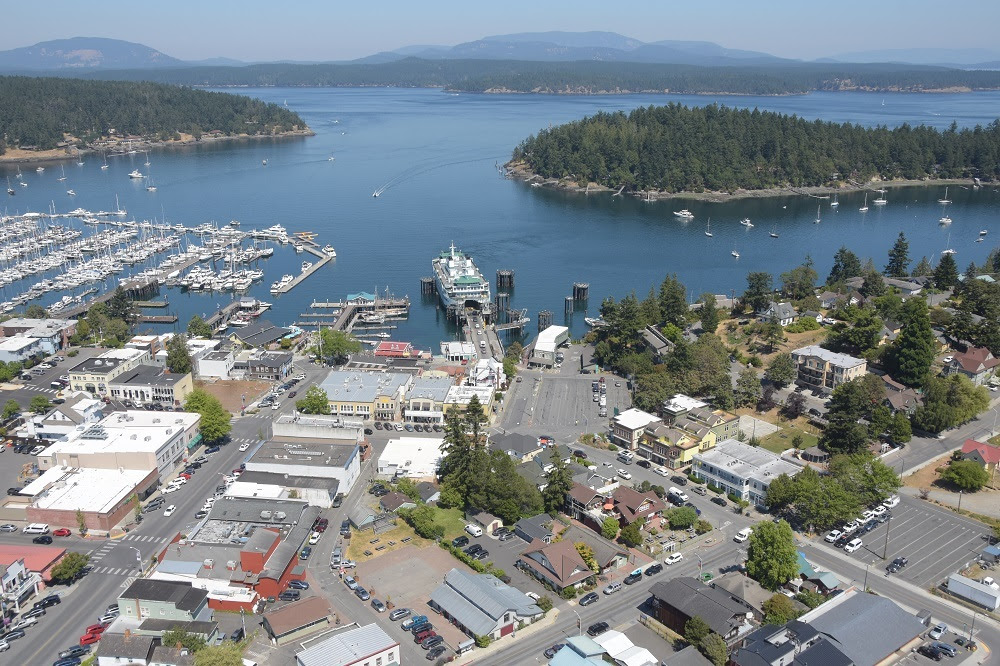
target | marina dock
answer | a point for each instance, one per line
(156, 319)
(324, 259)
(223, 314)
(150, 304)
(381, 308)
(135, 289)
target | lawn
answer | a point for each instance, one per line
(782, 440)
(452, 520)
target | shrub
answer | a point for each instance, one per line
(756, 361)
(568, 592)
(716, 489)
(694, 479)
(483, 641)
(702, 526)
(72, 352)
(734, 498)
(612, 447)
(545, 604)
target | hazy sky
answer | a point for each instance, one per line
(337, 30)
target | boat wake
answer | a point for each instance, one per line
(420, 170)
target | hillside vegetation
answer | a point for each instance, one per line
(675, 148)
(40, 111)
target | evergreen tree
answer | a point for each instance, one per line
(781, 370)
(558, 483)
(709, 313)
(178, 357)
(899, 258)
(923, 268)
(673, 301)
(650, 309)
(946, 273)
(199, 328)
(873, 286)
(759, 291)
(845, 266)
(747, 390)
(914, 350)
(800, 281)
(120, 305)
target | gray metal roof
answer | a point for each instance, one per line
(133, 646)
(347, 647)
(867, 628)
(479, 601)
(537, 527)
(692, 597)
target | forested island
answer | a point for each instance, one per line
(41, 114)
(675, 148)
(581, 77)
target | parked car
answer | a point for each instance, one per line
(930, 652)
(45, 602)
(439, 650)
(74, 651)
(298, 585)
(414, 621)
(44, 539)
(947, 648)
(938, 631)
(673, 558)
(589, 598)
(351, 583)
(460, 542)
(7, 527)
(832, 536)
(378, 606)
(853, 545)
(14, 635)
(551, 652)
(654, 569)
(289, 595)
(597, 628)
(633, 578)
(306, 552)
(431, 641)
(720, 501)
(212, 449)
(398, 614)
(897, 564)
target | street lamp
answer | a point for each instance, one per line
(579, 622)
(867, 566)
(138, 558)
(699, 565)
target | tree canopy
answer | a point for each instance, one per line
(315, 401)
(215, 424)
(675, 148)
(772, 559)
(336, 345)
(178, 357)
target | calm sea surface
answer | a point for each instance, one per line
(435, 154)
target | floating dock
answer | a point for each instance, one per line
(156, 319)
(150, 304)
(324, 259)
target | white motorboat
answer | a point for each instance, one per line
(136, 174)
(329, 251)
(747, 223)
(684, 214)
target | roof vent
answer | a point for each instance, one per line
(208, 564)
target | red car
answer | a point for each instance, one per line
(89, 639)
(185, 475)
(62, 531)
(96, 628)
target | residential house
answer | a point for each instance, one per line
(676, 445)
(745, 589)
(828, 299)
(171, 656)
(722, 423)
(127, 648)
(482, 605)
(271, 366)
(630, 505)
(487, 372)
(906, 288)
(890, 331)
(487, 521)
(823, 370)
(626, 505)
(299, 618)
(558, 565)
(164, 600)
(396, 500)
(976, 363)
(900, 398)
(535, 528)
(794, 644)
(608, 555)
(743, 470)
(627, 428)
(812, 314)
(677, 600)
(657, 343)
(366, 645)
(783, 313)
(518, 446)
(986, 455)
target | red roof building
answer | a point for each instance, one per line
(986, 455)
(39, 559)
(389, 349)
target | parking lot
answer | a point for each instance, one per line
(936, 542)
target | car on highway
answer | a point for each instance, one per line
(44, 539)
(588, 599)
(654, 569)
(673, 558)
(244, 446)
(597, 628)
(169, 511)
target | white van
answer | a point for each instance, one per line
(474, 530)
(626, 456)
(743, 535)
(852, 546)
(36, 528)
(678, 494)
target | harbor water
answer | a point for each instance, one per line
(433, 157)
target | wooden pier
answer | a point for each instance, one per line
(156, 319)
(134, 289)
(324, 259)
(390, 307)
(223, 314)
(150, 304)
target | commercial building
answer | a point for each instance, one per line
(459, 351)
(62, 419)
(94, 375)
(131, 649)
(260, 333)
(336, 462)
(19, 349)
(482, 605)
(135, 440)
(681, 410)
(18, 583)
(627, 428)
(363, 646)
(676, 445)
(411, 457)
(368, 396)
(149, 384)
(487, 372)
(794, 644)
(823, 370)
(269, 365)
(37, 559)
(102, 496)
(543, 350)
(393, 349)
(297, 619)
(743, 470)
(425, 399)
(459, 397)
(164, 600)
(53, 334)
(217, 364)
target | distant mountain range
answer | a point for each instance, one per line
(97, 53)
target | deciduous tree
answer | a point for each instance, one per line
(315, 401)
(609, 528)
(966, 475)
(215, 424)
(772, 559)
(781, 370)
(199, 328)
(747, 390)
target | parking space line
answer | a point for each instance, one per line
(937, 561)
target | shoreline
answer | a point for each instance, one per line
(519, 171)
(73, 153)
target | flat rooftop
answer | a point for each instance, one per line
(109, 360)
(833, 358)
(125, 432)
(311, 453)
(147, 375)
(362, 386)
(747, 461)
(412, 456)
(87, 489)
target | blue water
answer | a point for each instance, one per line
(436, 152)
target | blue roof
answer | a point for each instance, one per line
(585, 646)
(993, 550)
(363, 295)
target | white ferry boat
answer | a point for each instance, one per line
(459, 281)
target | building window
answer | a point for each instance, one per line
(378, 661)
(143, 611)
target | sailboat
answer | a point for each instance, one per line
(708, 231)
(63, 176)
(105, 165)
(774, 231)
(747, 223)
(71, 193)
(864, 209)
(818, 218)
(734, 252)
(10, 190)
(881, 201)
(147, 158)
(946, 200)
(948, 250)
(945, 220)
(834, 203)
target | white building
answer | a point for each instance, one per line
(62, 419)
(19, 349)
(18, 584)
(94, 374)
(412, 457)
(103, 496)
(458, 351)
(334, 465)
(548, 341)
(743, 470)
(365, 646)
(137, 440)
(627, 427)
(53, 334)
(823, 370)
(487, 372)
(215, 364)
(459, 397)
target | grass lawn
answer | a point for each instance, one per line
(782, 440)
(452, 520)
